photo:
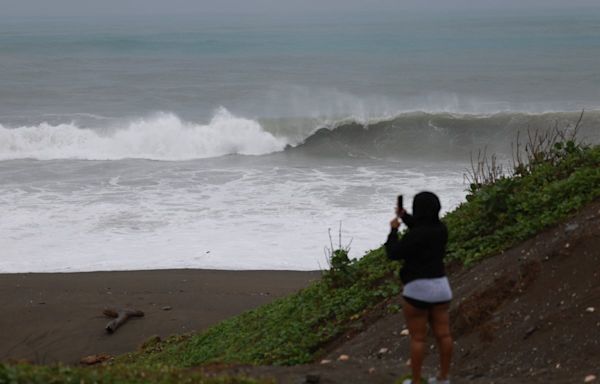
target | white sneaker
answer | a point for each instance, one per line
(434, 380)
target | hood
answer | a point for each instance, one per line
(426, 207)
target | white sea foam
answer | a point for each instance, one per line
(161, 137)
(137, 215)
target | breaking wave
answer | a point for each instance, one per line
(162, 137)
(166, 137)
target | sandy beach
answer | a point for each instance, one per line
(58, 317)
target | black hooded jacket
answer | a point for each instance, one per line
(423, 246)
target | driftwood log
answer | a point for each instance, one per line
(120, 317)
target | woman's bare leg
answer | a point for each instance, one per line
(440, 323)
(416, 321)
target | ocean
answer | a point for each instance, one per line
(241, 141)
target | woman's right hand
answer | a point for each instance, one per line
(400, 212)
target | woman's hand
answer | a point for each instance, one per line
(395, 223)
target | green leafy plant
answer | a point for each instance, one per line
(342, 270)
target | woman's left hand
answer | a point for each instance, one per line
(395, 223)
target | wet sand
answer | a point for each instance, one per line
(58, 317)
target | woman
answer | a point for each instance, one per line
(426, 291)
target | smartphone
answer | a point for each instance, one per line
(400, 203)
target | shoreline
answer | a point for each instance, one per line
(57, 316)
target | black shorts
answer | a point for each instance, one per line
(423, 304)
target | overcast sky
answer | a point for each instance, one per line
(132, 7)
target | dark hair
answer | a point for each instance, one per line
(426, 207)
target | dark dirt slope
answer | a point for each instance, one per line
(524, 316)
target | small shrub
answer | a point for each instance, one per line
(342, 270)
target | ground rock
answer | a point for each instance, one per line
(95, 359)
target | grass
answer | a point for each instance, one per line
(298, 329)
(159, 374)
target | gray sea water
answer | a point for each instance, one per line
(190, 141)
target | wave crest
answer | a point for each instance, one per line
(161, 137)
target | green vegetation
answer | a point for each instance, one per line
(507, 210)
(501, 210)
(161, 374)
